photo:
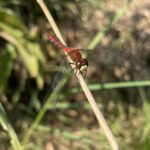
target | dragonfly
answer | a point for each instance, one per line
(104, 57)
(79, 62)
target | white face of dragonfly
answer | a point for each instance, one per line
(84, 67)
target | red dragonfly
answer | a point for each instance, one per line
(80, 63)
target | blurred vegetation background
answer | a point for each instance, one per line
(118, 36)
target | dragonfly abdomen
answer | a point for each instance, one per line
(56, 41)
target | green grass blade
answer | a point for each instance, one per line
(114, 85)
(100, 35)
(7, 127)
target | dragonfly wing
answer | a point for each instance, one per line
(57, 78)
(60, 80)
(124, 61)
(64, 72)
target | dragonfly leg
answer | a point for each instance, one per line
(71, 63)
(84, 72)
(74, 68)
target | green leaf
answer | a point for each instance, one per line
(6, 62)
(36, 51)
(8, 2)
(10, 17)
(30, 61)
(31, 55)
(7, 127)
(12, 31)
(32, 65)
(39, 80)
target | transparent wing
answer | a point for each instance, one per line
(125, 64)
(59, 81)
(64, 71)
(121, 61)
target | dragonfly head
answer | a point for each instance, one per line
(82, 65)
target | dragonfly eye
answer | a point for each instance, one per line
(83, 65)
(85, 62)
